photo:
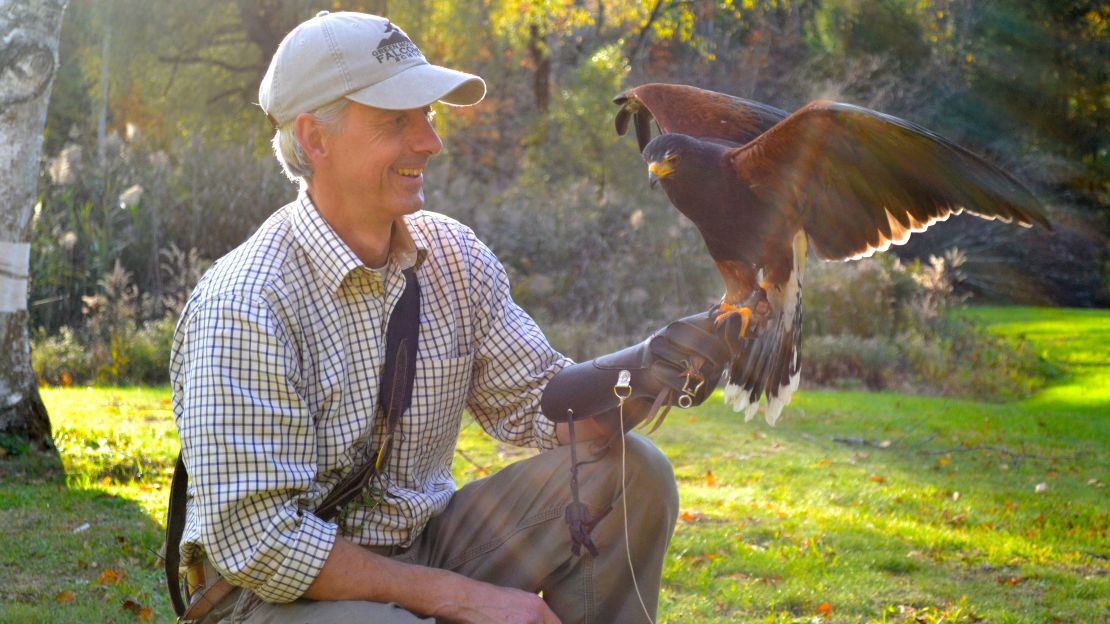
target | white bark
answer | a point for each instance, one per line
(29, 31)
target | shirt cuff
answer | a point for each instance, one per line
(303, 564)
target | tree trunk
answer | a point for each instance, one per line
(28, 62)
(541, 78)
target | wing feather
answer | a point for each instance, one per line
(864, 180)
(693, 111)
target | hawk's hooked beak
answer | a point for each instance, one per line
(659, 170)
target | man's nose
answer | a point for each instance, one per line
(426, 141)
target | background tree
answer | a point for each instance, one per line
(28, 62)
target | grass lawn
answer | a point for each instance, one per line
(857, 507)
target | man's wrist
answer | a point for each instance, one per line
(449, 594)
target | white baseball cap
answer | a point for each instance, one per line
(364, 58)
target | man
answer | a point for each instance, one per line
(275, 374)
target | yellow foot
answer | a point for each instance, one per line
(726, 310)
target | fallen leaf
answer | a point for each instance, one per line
(825, 463)
(1013, 580)
(710, 480)
(65, 597)
(944, 461)
(692, 516)
(1040, 488)
(825, 609)
(66, 380)
(143, 614)
(111, 577)
(884, 444)
(691, 420)
(703, 559)
(878, 479)
(106, 481)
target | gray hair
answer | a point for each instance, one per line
(288, 149)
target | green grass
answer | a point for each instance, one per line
(925, 510)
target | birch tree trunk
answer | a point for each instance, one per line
(29, 31)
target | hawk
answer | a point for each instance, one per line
(763, 186)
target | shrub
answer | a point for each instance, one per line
(847, 360)
(881, 324)
(115, 344)
(60, 359)
(597, 258)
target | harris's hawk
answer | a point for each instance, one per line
(762, 186)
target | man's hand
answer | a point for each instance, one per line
(690, 356)
(686, 358)
(354, 573)
(474, 602)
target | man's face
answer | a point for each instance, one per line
(378, 157)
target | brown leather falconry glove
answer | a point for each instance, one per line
(680, 364)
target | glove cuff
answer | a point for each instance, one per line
(586, 390)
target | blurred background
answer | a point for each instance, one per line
(157, 162)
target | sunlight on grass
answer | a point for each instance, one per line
(859, 507)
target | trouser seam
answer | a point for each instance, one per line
(528, 522)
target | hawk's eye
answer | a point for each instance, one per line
(670, 158)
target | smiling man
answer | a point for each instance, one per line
(278, 386)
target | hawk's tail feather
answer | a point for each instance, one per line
(769, 366)
(770, 370)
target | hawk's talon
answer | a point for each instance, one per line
(745, 314)
(753, 312)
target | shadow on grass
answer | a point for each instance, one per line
(73, 554)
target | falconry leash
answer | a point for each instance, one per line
(577, 515)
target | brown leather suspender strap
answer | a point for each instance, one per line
(395, 396)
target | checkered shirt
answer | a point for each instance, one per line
(275, 372)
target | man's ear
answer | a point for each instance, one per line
(310, 134)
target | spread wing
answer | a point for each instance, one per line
(861, 180)
(696, 112)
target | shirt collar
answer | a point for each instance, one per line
(335, 259)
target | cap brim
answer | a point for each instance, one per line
(421, 85)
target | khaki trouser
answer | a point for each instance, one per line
(508, 530)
